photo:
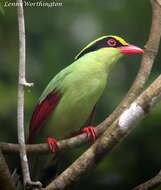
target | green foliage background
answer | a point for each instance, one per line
(53, 37)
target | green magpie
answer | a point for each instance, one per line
(69, 99)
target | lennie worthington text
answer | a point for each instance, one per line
(33, 4)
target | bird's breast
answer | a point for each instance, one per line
(80, 92)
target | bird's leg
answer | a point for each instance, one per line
(90, 131)
(53, 144)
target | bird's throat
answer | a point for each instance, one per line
(105, 57)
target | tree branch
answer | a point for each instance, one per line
(111, 137)
(6, 181)
(21, 84)
(43, 148)
(150, 184)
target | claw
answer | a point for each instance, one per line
(90, 132)
(53, 144)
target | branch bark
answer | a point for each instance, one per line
(6, 181)
(150, 184)
(111, 137)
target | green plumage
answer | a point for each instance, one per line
(68, 100)
(81, 85)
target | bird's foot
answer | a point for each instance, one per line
(53, 144)
(90, 131)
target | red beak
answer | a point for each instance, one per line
(130, 49)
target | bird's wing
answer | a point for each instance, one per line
(42, 113)
(47, 103)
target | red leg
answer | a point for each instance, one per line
(90, 132)
(53, 144)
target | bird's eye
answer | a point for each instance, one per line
(111, 42)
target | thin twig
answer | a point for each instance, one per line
(21, 84)
(150, 184)
(11, 148)
(6, 181)
(111, 137)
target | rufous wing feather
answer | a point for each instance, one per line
(42, 113)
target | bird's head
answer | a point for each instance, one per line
(110, 41)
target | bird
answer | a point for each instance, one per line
(70, 98)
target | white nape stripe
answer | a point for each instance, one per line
(130, 116)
